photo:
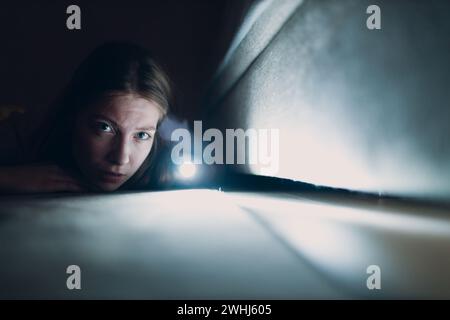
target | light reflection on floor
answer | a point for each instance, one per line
(211, 244)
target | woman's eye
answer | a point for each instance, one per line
(102, 126)
(143, 136)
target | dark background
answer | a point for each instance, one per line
(39, 54)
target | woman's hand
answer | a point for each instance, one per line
(37, 178)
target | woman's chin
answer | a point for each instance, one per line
(106, 186)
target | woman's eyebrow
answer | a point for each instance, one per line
(106, 118)
(147, 128)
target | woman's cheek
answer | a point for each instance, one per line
(92, 145)
(99, 147)
(145, 151)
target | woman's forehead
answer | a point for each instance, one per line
(128, 111)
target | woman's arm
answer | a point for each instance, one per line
(15, 150)
(36, 179)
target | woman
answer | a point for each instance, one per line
(102, 133)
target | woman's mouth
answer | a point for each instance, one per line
(111, 176)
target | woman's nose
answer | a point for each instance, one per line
(120, 153)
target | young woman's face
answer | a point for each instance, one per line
(113, 138)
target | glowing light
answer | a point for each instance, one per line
(187, 170)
